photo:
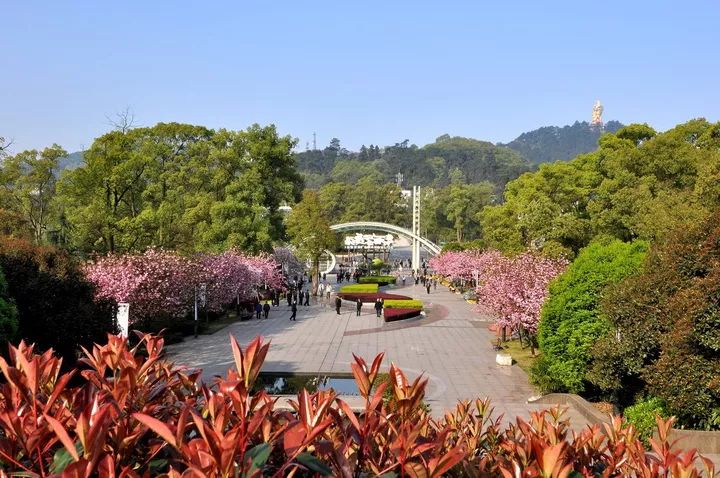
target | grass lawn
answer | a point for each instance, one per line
(521, 356)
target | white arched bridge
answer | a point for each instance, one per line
(417, 240)
(392, 229)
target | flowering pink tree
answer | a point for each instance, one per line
(159, 282)
(516, 288)
(466, 264)
(155, 282)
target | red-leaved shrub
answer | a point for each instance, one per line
(133, 414)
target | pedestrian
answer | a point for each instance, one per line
(434, 284)
(338, 303)
(307, 297)
(378, 306)
(417, 279)
(403, 278)
(294, 311)
(301, 296)
(288, 295)
(324, 275)
(328, 290)
(428, 286)
(358, 306)
(266, 309)
(258, 310)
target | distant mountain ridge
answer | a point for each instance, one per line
(554, 143)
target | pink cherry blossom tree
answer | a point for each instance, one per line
(515, 288)
(159, 282)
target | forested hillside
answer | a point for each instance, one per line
(553, 143)
(428, 165)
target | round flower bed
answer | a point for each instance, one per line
(371, 297)
(391, 315)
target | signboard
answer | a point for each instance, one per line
(202, 295)
(123, 318)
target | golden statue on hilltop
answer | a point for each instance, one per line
(597, 112)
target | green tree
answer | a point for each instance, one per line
(27, 188)
(8, 313)
(638, 185)
(309, 231)
(181, 187)
(663, 337)
(571, 321)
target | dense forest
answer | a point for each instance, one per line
(553, 143)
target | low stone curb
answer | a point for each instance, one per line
(705, 442)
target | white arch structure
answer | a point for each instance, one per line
(381, 226)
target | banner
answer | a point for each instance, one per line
(123, 318)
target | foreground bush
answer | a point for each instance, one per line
(56, 306)
(133, 414)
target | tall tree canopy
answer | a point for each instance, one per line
(180, 187)
(638, 184)
(309, 229)
(27, 192)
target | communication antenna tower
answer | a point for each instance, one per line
(314, 141)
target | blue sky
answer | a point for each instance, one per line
(365, 72)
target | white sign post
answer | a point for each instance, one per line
(123, 318)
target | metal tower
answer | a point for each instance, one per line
(416, 228)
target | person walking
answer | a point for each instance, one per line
(378, 306)
(266, 309)
(427, 286)
(338, 303)
(434, 284)
(288, 295)
(293, 309)
(328, 290)
(358, 307)
(301, 296)
(307, 298)
(403, 279)
(258, 310)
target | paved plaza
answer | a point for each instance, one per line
(451, 346)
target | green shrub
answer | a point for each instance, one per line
(361, 288)
(403, 304)
(8, 313)
(571, 321)
(56, 305)
(642, 416)
(380, 280)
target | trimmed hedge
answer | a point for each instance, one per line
(371, 297)
(391, 315)
(360, 288)
(380, 280)
(403, 304)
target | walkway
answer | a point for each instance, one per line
(451, 346)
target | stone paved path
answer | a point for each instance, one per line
(451, 346)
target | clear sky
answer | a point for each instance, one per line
(362, 71)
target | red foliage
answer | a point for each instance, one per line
(391, 315)
(135, 415)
